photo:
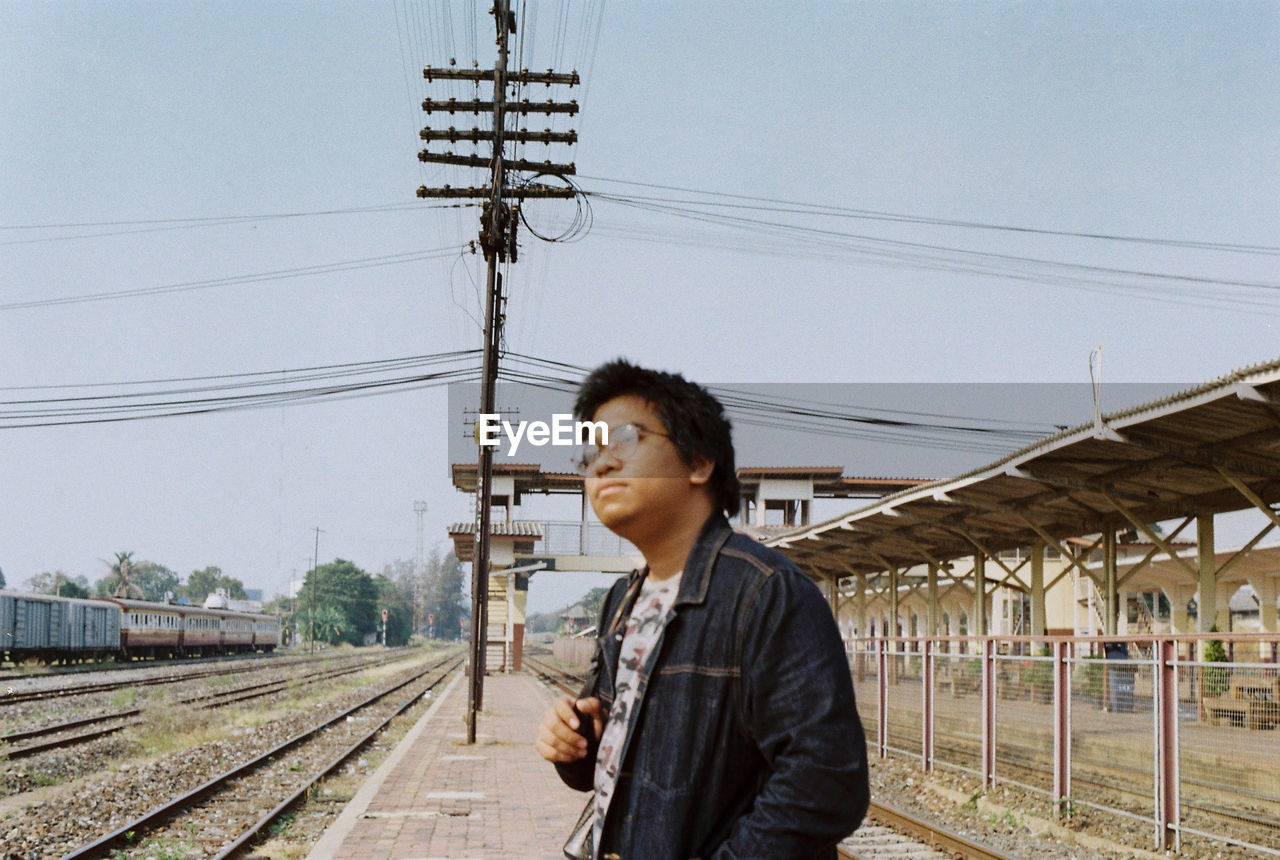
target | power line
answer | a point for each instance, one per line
(167, 404)
(160, 225)
(1177, 288)
(238, 280)
(780, 205)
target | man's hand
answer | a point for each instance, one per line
(559, 734)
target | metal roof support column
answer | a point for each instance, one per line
(1168, 821)
(893, 604)
(882, 697)
(861, 605)
(1110, 594)
(931, 621)
(978, 626)
(927, 688)
(1207, 592)
(988, 712)
(1061, 729)
(1037, 589)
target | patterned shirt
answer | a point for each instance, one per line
(649, 615)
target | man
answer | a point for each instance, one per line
(720, 693)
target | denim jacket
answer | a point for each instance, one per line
(745, 741)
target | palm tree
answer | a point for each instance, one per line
(123, 568)
(330, 624)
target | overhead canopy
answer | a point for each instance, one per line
(1211, 449)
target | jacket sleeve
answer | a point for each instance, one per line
(580, 775)
(798, 706)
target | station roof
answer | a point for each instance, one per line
(829, 481)
(1210, 449)
(529, 478)
(524, 533)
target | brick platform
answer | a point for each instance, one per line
(437, 797)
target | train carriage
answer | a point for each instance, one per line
(148, 629)
(51, 628)
(202, 630)
(266, 632)
(92, 627)
(47, 627)
(237, 631)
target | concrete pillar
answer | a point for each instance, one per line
(1178, 596)
(1222, 617)
(1037, 590)
(1110, 595)
(1267, 587)
(931, 622)
(1207, 590)
(978, 618)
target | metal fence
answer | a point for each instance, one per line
(573, 537)
(1180, 733)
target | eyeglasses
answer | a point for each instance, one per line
(623, 442)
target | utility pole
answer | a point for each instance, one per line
(315, 586)
(419, 508)
(498, 241)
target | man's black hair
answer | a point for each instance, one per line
(694, 419)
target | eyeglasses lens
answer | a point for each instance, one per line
(622, 444)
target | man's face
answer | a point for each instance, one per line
(649, 486)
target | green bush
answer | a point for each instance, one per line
(1038, 675)
(1089, 675)
(1216, 678)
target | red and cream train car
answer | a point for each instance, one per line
(168, 630)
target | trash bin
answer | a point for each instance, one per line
(1119, 679)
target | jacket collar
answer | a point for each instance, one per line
(696, 576)
(697, 567)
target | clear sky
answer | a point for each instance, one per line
(137, 139)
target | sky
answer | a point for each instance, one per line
(799, 192)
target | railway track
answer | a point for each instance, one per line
(1231, 804)
(115, 721)
(228, 811)
(9, 696)
(901, 834)
(59, 671)
(565, 682)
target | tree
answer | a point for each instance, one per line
(445, 600)
(119, 581)
(201, 583)
(58, 583)
(398, 603)
(348, 589)
(143, 580)
(1216, 678)
(330, 625)
(1, 579)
